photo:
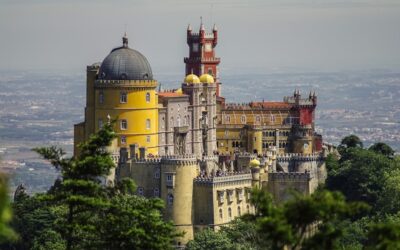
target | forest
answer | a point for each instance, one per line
(357, 208)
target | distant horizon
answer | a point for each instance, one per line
(312, 35)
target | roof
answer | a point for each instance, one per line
(270, 105)
(124, 63)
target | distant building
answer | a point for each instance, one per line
(190, 148)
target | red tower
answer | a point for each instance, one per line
(202, 58)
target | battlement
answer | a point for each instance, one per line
(201, 59)
(225, 178)
(169, 159)
(258, 106)
(125, 83)
(293, 176)
(299, 157)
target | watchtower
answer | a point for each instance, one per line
(202, 58)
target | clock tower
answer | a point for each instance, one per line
(202, 58)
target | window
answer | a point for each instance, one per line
(185, 121)
(240, 194)
(148, 138)
(157, 192)
(239, 212)
(123, 139)
(140, 191)
(221, 214)
(101, 97)
(230, 195)
(272, 118)
(228, 118)
(148, 124)
(220, 196)
(100, 123)
(230, 213)
(147, 97)
(123, 97)
(170, 199)
(178, 121)
(123, 124)
(258, 119)
(210, 72)
(243, 119)
(157, 174)
(195, 47)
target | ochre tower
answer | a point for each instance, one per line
(122, 89)
(202, 58)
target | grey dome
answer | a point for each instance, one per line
(124, 63)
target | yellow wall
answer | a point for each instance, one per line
(136, 111)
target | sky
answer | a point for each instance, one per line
(254, 35)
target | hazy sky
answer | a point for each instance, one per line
(266, 35)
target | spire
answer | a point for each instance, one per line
(201, 23)
(125, 40)
(189, 28)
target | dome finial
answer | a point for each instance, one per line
(125, 40)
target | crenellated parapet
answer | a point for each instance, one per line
(226, 178)
(299, 157)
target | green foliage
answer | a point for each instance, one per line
(351, 141)
(382, 148)
(6, 233)
(79, 212)
(360, 175)
(306, 222)
(208, 239)
(383, 236)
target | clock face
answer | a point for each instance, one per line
(195, 47)
(305, 145)
(208, 47)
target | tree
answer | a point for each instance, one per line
(360, 175)
(383, 236)
(351, 141)
(307, 222)
(382, 148)
(208, 239)
(95, 216)
(6, 233)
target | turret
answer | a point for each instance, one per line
(215, 32)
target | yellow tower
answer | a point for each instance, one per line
(123, 90)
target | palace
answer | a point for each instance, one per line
(191, 148)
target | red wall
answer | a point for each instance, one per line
(306, 116)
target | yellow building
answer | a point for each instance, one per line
(122, 89)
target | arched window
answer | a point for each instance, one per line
(221, 214)
(170, 199)
(243, 119)
(148, 124)
(228, 118)
(230, 213)
(272, 118)
(123, 97)
(123, 124)
(101, 97)
(147, 97)
(178, 121)
(233, 144)
(239, 212)
(156, 192)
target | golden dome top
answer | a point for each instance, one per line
(179, 91)
(206, 78)
(192, 79)
(254, 163)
